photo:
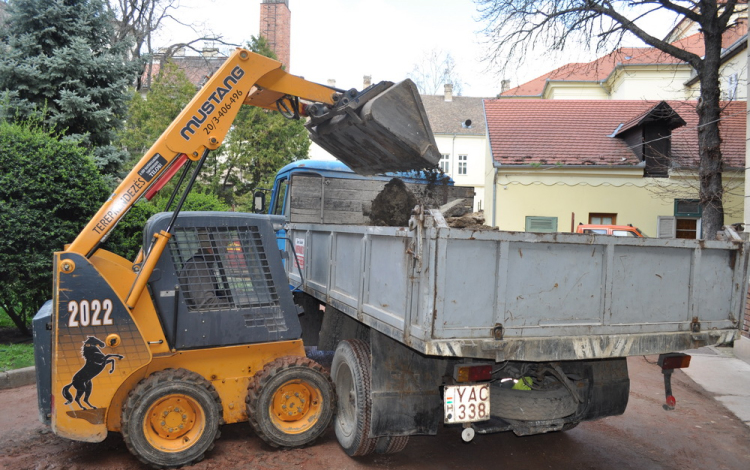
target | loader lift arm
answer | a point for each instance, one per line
(245, 78)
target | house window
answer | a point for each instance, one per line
(541, 224)
(686, 228)
(602, 218)
(462, 162)
(445, 163)
(687, 208)
(685, 223)
(678, 227)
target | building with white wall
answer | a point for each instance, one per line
(461, 135)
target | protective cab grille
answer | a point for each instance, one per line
(220, 268)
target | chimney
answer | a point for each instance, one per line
(210, 52)
(366, 81)
(504, 86)
(275, 26)
(448, 92)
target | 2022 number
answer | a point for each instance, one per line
(93, 313)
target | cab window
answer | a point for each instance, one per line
(598, 231)
(278, 203)
(624, 233)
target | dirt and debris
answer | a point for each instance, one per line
(392, 206)
(455, 208)
(472, 221)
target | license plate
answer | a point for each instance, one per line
(467, 403)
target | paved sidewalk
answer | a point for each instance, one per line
(723, 373)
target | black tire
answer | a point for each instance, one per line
(532, 405)
(569, 426)
(291, 402)
(171, 418)
(351, 374)
(391, 444)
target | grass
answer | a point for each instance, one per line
(14, 355)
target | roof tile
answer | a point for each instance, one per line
(602, 67)
(577, 132)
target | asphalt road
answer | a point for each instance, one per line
(699, 434)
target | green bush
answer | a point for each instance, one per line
(127, 238)
(49, 188)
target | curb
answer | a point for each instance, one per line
(17, 378)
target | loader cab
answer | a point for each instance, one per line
(220, 281)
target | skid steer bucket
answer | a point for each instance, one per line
(384, 128)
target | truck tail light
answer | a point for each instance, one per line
(674, 361)
(473, 373)
(668, 363)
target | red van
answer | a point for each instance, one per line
(616, 230)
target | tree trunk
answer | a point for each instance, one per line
(17, 320)
(709, 139)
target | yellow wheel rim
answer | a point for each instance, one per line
(174, 423)
(295, 407)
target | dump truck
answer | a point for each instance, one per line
(487, 330)
(201, 328)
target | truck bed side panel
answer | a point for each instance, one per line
(526, 296)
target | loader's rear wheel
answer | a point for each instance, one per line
(351, 374)
(290, 402)
(171, 418)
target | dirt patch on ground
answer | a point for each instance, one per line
(393, 205)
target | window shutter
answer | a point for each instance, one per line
(666, 227)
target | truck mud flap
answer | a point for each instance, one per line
(405, 389)
(382, 129)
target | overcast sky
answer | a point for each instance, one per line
(347, 39)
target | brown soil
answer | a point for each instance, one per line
(393, 205)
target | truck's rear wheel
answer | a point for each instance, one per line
(290, 402)
(351, 374)
(171, 418)
(391, 444)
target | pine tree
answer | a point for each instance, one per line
(57, 59)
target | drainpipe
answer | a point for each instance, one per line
(494, 196)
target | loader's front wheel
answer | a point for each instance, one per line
(171, 418)
(290, 402)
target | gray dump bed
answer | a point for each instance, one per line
(525, 296)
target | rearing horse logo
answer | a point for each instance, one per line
(96, 361)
